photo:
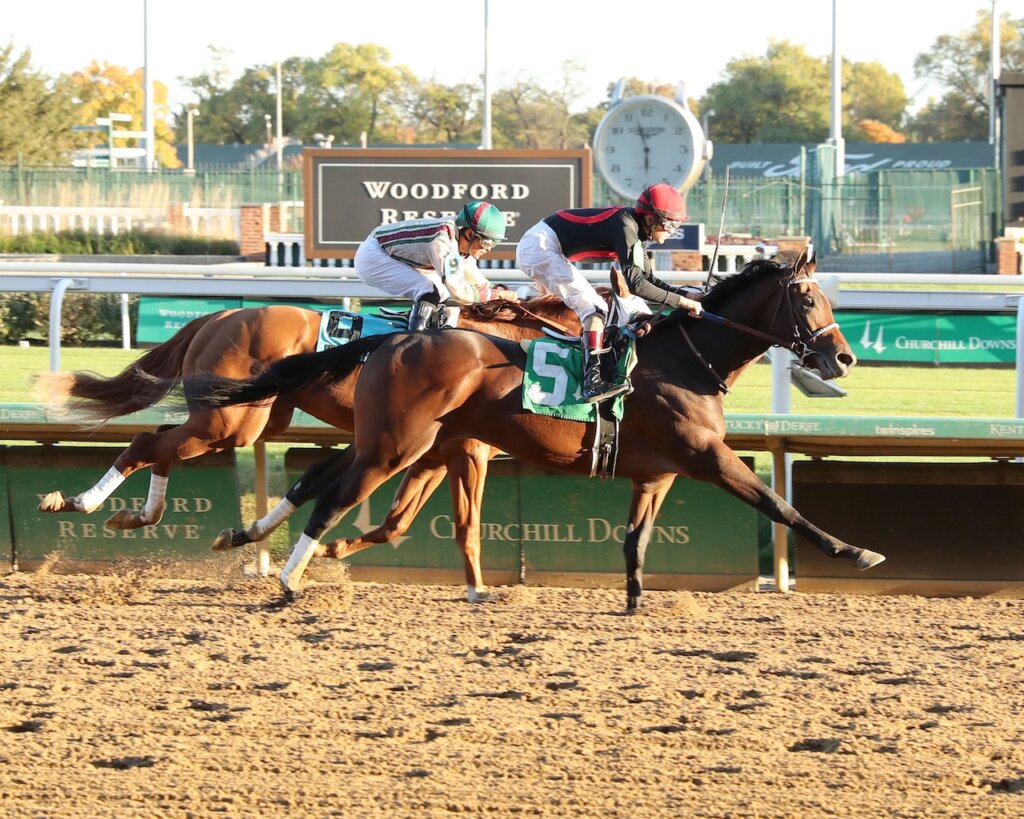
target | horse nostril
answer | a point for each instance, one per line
(847, 359)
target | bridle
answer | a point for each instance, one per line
(799, 344)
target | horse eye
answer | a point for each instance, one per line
(808, 301)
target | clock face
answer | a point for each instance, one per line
(648, 139)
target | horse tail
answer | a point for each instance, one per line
(205, 391)
(139, 385)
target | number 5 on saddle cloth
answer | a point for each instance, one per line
(553, 385)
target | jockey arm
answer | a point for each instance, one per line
(642, 282)
(466, 283)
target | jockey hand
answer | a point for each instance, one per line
(695, 308)
(505, 294)
(642, 328)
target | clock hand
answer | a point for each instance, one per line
(647, 150)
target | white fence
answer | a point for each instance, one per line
(212, 222)
(289, 250)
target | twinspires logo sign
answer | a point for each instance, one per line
(917, 337)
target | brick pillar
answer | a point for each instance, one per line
(1007, 258)
(275, 218)
(176, 219)
(252, 245)
(687, 260)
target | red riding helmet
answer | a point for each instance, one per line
(663, 201)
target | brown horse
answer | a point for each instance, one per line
(418, 391)
(238, 344)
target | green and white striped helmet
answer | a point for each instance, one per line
(482, 218)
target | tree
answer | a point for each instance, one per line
(871, 130)
(960, 64)
(440, 113)
(781, 97)
(350, 90)
(529, 115)
(870, 92)
(785, 96)
(37, 116)
(101, 88)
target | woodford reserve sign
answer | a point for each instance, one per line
(349, 192)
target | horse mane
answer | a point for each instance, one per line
(499, 310)
(728, 287)
(725, 289)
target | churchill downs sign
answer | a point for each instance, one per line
(349, 192)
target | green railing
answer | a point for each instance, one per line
(876, 214)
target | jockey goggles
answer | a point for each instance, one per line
(670, 225)
(485, 243)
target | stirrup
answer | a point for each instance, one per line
(604, 390)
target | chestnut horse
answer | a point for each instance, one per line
(418, 391)
(240, 343)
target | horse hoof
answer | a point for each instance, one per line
(224, 541)
(480, 595)
(124, 520)
(866, 559)
(56, 502)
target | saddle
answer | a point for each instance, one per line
(552, 385)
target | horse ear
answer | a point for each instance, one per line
(801, 260)
(619, 286)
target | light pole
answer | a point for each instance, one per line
(706, 125)
(269, 122)
(189, 114)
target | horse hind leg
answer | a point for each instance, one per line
(351, 489)
(313, 481)
(419, 483)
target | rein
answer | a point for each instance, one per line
(554, 325)
(797, 345)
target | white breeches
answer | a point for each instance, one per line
(539, 256)
(378, 269)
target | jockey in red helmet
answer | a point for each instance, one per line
(434, 260)
(547, 251)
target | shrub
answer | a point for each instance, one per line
(132, 243)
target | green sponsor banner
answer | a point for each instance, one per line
(560, 524)
(202, 499)
(571, 524)
(161, 318)
(954, 338)
(430, 541)
(6, 545)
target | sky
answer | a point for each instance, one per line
(668, 42)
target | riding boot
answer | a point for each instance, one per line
(595, 387)
(421, 314)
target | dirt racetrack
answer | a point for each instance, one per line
(153, 694)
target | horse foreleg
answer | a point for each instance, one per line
(467, 467)
(723, 467)
(644, 506)
(312, 482)
(419, 483)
